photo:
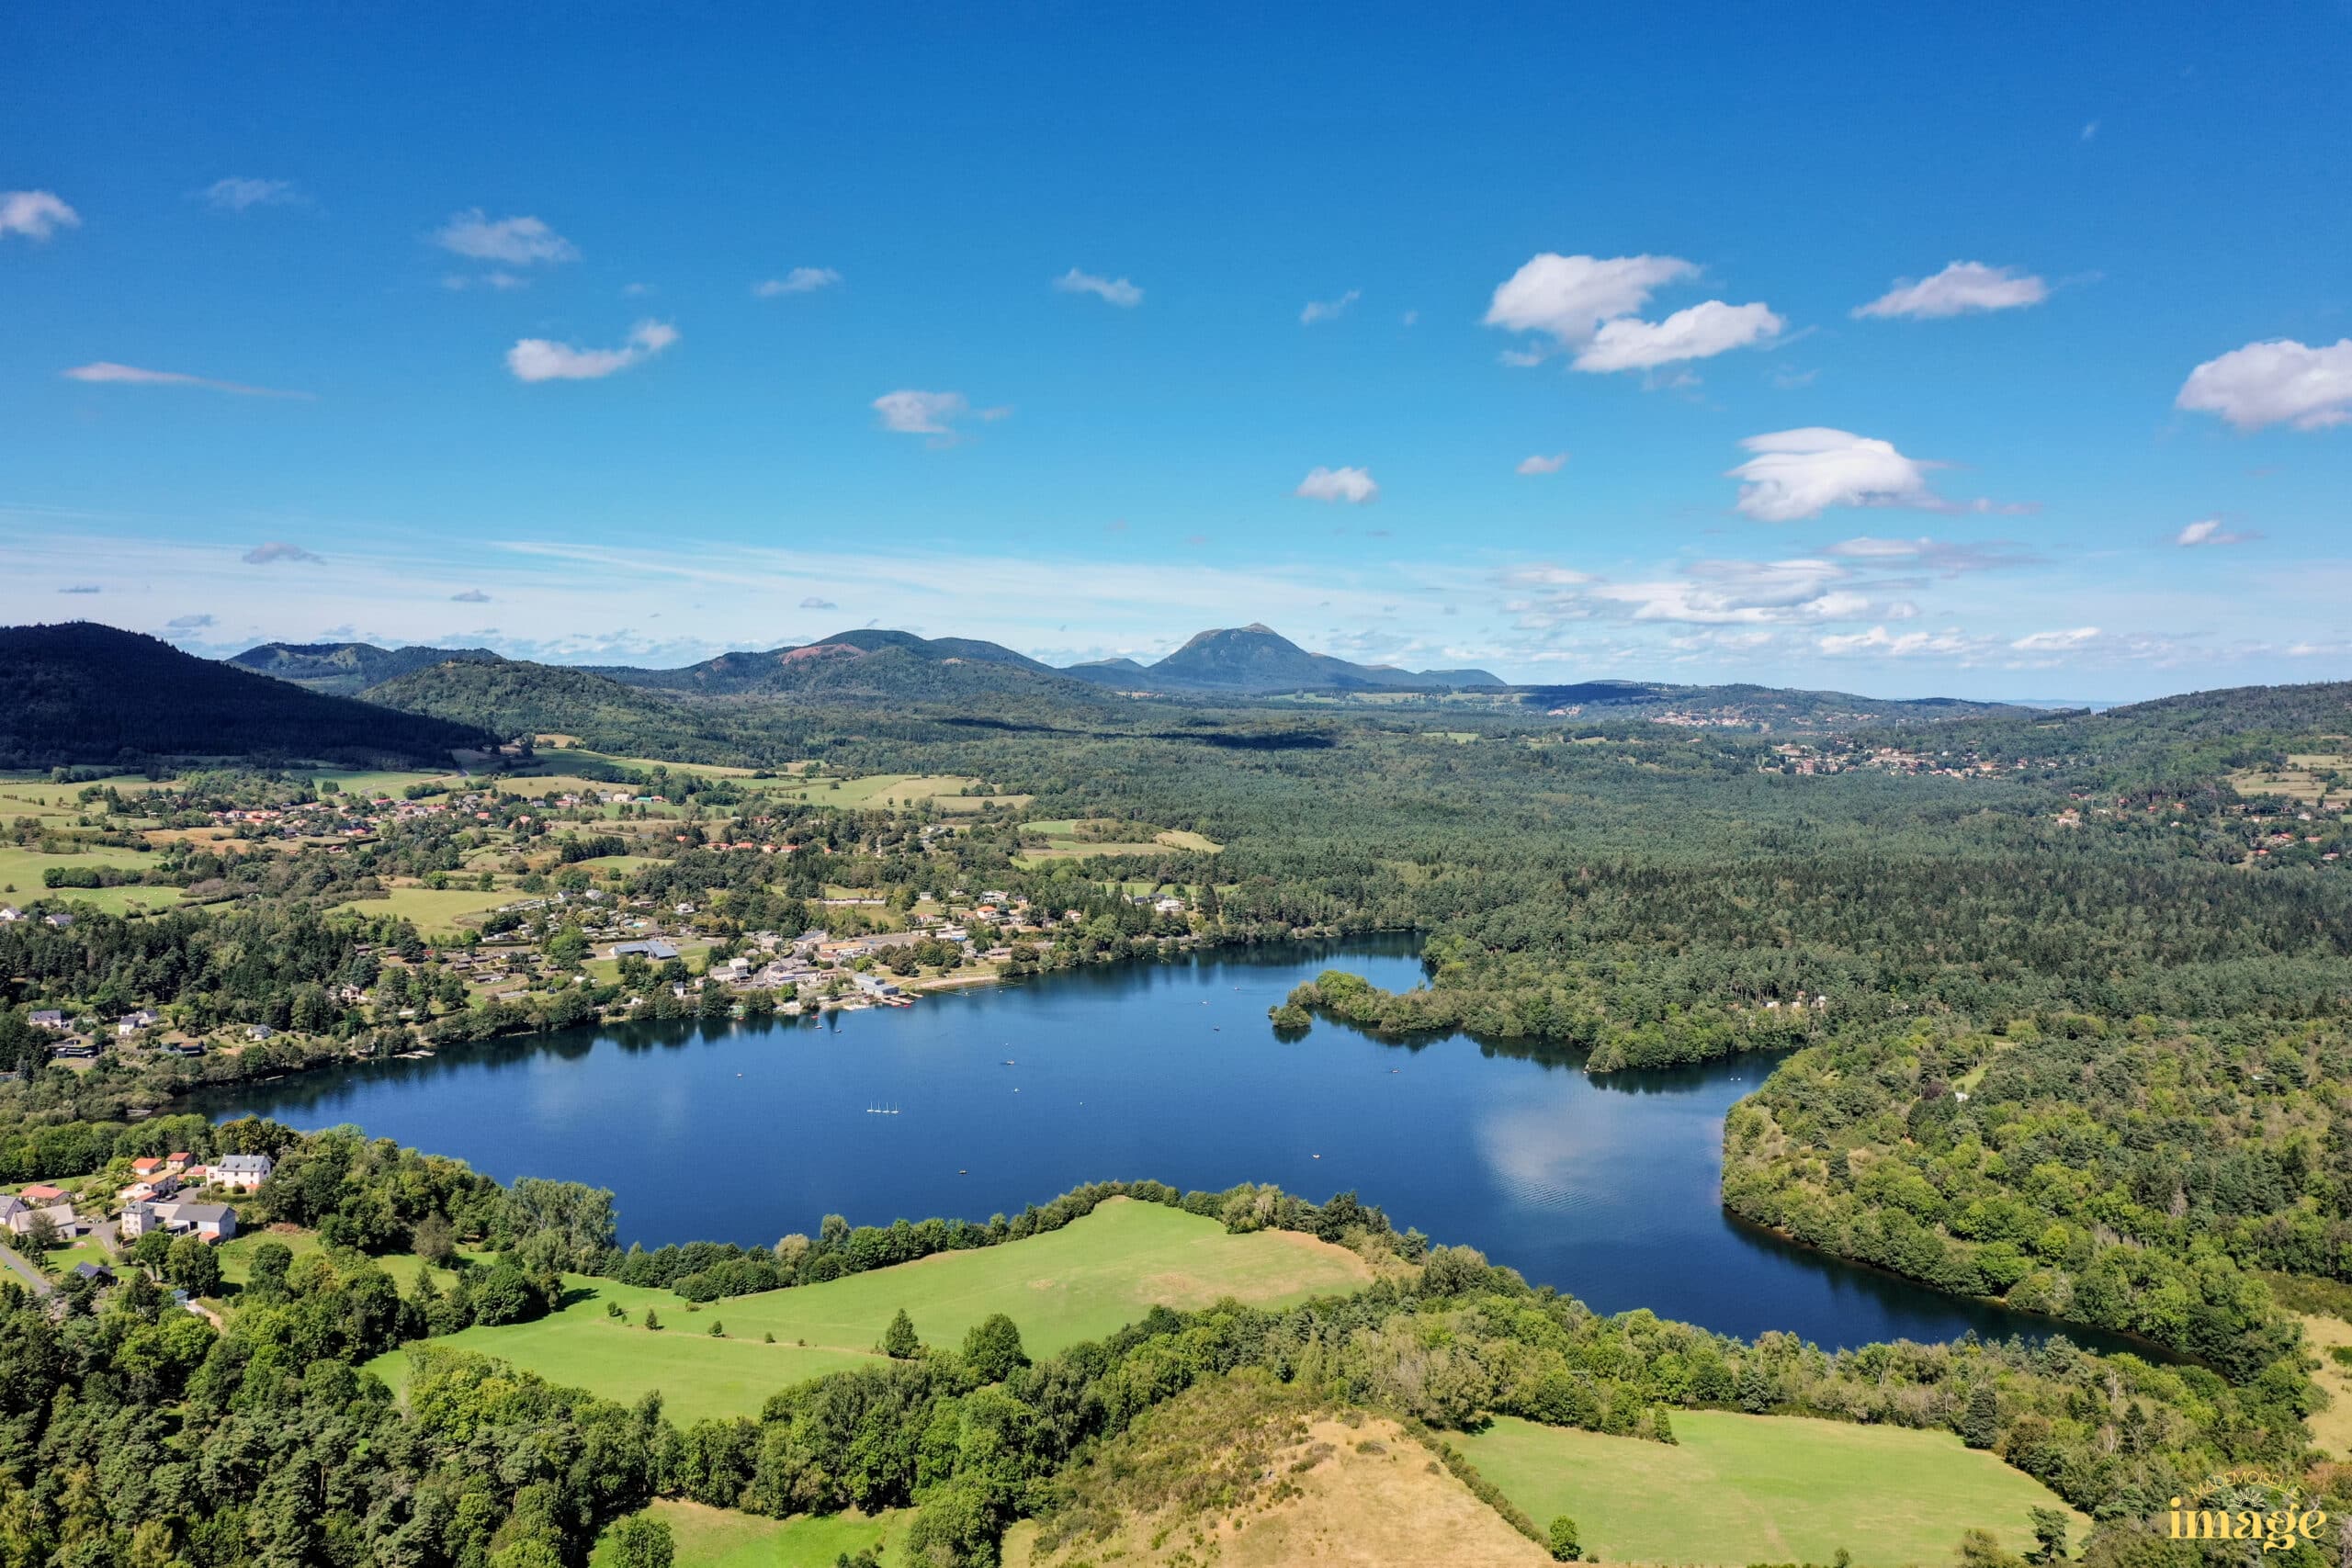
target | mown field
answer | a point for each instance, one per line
(1738, 1489)
(436, 911)
(1080, 1283)
(21, 869)
(720, 1538)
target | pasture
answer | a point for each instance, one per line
(435, 911)
(1080, 1283)
(722, 1538)
(1739, 1489)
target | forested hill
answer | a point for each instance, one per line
(862, 664)
(1256, 658)
(1744, 706)
(514, 698)
(347, 668)
(85, 692)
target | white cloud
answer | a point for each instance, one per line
(2058, 641)
(239, 194)
(1941, 556)
(1331, 310)
(35, 214)
(1540, 464)
(813, 603)
(1701, 332)
(1878, 642)
(106, 372)
(277, 550)
(1114, 291)
(2277, 382)
(921, 413)
(1721, 592)
(1797, 474)
(470, 596)
(799, 280)
(1570, 296)
(188, 623)
(517, 241)
(1353, 486)
(495, 278)
(541, 360)
(1961, 288)
(2211, 531)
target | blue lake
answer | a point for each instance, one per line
(1004, 1096)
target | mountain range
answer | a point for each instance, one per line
(1259, 661)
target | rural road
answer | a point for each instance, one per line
(25, 1271)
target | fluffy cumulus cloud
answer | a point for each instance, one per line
(106, 372)
(1541, 464)
(799, 280)
(238, 194)
(279, 550)
(1353, 486)
(1797, 474)
(516, 241)
(1589, 305)
(2278, 382)
(35, 214)
(541, 359)
(1960, 288)
(1701, 332)
(2211, 531)
(1329, 309)
(1114, 291)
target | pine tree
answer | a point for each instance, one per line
(899, 1341)
(1981, 1427)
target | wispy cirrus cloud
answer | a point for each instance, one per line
(1111, 290)
(279, 550)
(1353, 486)
(799, 280)
(1944, 557)
(2277, 382)
(541, 359)
(2209, 532)
(1329, 309)
(239, 193)
(106, 372)
(515, 242)
(35, 214)
(1961, 288)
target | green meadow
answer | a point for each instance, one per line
(1083, 1282)
(720, 1538)
(1736, 1489)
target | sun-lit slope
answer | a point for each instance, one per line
(1736, 1489)
(1085, 1281)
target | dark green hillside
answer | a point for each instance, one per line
(347, 668)
(85, 692)
(1748, 706)
(514, 698)
(869, 663)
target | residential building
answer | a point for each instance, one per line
(243, 1172)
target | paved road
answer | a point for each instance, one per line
(25, 1271)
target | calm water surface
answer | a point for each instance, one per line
(1006, 1095)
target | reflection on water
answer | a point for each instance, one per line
(1007, 1095)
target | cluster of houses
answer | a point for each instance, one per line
(163, 1194)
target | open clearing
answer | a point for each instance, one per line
(2300, 778)
(435, 910)
(2331, 1428)
(1242, 1472)
(946, 791)
(1057, 839)
(1080, 1283)
(1739, 1489)
(722, 1538)
(21, 869)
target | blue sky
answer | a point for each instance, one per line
(1993, 351)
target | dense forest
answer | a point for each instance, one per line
(83, 692)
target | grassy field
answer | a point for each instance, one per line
(2331, 1428)
(1079, 1283)
(722, 1538)
(2299, 779)
(237, 1259)
(1056, 838)
(435, 910)
(1739, 1489)
(20, 877)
